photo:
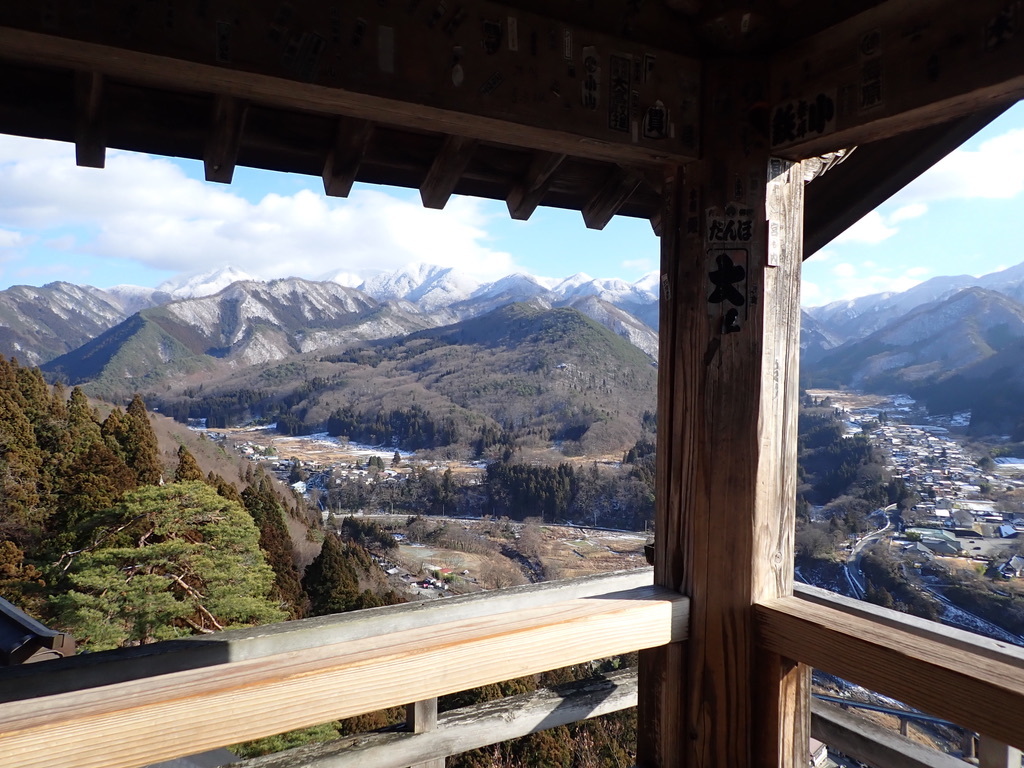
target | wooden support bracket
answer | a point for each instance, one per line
(526, 195)
(621, 183)
(342, 164)
(90, 140)
(221, 152)
(446, 170)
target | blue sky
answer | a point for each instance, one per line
(143, 220)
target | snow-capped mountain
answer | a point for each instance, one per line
(227, 302)
(39, 323)
(133, 298)
(205, 284)
(428, 286)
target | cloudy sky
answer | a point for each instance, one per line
(143, 220)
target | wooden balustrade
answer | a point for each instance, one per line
(132, 707)
(949, 673)
(205, 692)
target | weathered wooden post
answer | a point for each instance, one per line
(421, 717)
(728, 398)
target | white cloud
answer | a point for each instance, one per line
(872, 229)
(642, 265)
(146, 210)
(911, 211)
(994, 170)
(9, 239)
(844, 269)
(853, 285)
(810, 294)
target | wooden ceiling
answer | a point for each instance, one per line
(578, 104)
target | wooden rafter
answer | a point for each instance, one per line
(343, 161)
(90, 144)
(221, 151)
(446, 170)
(606, 202)
(527, 194)
(480, 112)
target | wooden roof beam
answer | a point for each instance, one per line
(621, 183)
(343, 161)
(483, 108)
(446, 170)
(221, 151)
(90, 139)
(895, 68)
(525, 196)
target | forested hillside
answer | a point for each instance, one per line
(99, 538)
(530, 375)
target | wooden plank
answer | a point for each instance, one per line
(90, 142)
(894, 68)
(420, 94)
(252, 643)
(468, 728)
(343, 161)
(864, 740)
(221, 151)
(446, 170)
(525, 196)
(620, 184)
(915, 664)
(208, 707)
(954, 638)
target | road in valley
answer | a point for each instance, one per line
(853, 570)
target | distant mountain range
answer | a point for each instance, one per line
(257, 320)
(937, 341)
(956, 343)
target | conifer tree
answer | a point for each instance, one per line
(142, 453)
(170, 560)
(21, 513)
(330, 581)
(187, 469)
(263, 505)
(83, 430)
(95, 480)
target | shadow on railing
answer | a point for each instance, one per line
(207, 692)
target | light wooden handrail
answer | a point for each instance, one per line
(949, 673)
(275, 679)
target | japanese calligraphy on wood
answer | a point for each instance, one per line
(729, 237)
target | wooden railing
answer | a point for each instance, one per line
(140, 705)
(132, 707)
(955, 675)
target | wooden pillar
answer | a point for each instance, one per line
(728, 398)
(421, 717)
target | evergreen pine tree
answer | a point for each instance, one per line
(173, 560)
(187, 469)
(83, 431)
(262, 504)
(142, 453)
(330, 581)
